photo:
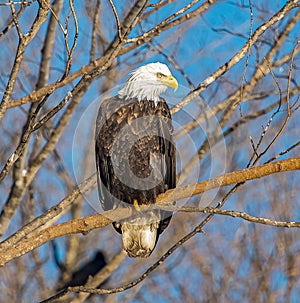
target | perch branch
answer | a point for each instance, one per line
(86, 224)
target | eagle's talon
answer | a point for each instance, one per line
(136, 205)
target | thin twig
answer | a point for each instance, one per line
(248, 53)
(26, 39)
(52, 112)
(236, 58)
(283, 152)
(11, 23)
(119, 28)
(71, 51)
(231, 213)
(54, 14)
(15, 19)
(17, 2)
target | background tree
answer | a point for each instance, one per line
(237, 108)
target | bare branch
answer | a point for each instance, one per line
(15, 19)
(119, 29)
(52, 215)
(231, 213)
(18, 15)
(24, 41)
(84, 225)
(168, 23)
(98, 66)
(236, 58)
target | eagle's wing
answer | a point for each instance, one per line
(103, 140)
(168, 152)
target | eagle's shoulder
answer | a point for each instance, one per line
(116, 113)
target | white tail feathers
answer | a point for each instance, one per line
(139, 234)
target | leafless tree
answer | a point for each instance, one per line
(234, 235)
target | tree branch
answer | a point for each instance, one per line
(236, 58)
(86, 224)
(231, 213)
(23, 43)
(229, 179)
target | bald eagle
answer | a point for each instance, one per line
(135, 155)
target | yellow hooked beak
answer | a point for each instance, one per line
(171, 82)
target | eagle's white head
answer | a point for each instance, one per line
(148, 82)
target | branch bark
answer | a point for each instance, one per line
(86, 224)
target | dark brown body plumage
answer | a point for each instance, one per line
(135, 155)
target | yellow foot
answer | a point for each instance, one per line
(136, 205)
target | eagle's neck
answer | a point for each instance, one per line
(142, 90)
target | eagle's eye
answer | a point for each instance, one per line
(160, 75)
